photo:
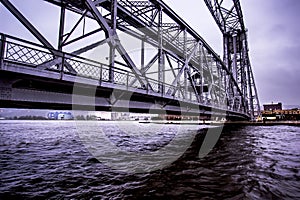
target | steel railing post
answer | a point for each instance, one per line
(127, 80)
(62, 66)
(2, 50)
(100, 77)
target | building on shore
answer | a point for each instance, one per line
(275, 112)
(272, 106)
(60, 115)
(120, 116)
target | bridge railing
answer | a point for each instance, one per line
(27, 54)
(20, 51)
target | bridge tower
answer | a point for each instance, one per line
(229, 18)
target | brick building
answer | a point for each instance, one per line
(273, 106)
(275, 112)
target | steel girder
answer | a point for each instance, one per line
(229, 18)
(184, 66)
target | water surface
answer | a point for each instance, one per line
(50, 160)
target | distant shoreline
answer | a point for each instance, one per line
(175, 122)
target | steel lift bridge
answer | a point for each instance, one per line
(125, 55)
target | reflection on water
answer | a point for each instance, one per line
(47, 159)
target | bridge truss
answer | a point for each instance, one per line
(172, 61)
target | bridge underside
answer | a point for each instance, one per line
(27, 91)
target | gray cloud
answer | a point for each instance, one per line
(275, 48)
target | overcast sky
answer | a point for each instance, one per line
(273, 33)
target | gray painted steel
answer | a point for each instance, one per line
(184, 76)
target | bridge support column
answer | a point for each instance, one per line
(112, 48)
(186, 64)
(161, 57)
(60, 40)
(234, 60)
(61, 28)
(231, 89)
(143, 55)
(111, 63)
(5, 89)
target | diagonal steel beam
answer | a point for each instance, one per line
(146, 68)
(97, 2)
(26, 23)
(90, 47)
(183, 68)
(82, 36)
(173, 71)
(74, 27)
(98, 17)
(58, 60)
(171, 66)
(143, 81)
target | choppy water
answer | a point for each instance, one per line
(55, 160)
